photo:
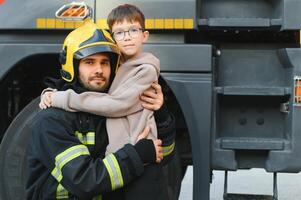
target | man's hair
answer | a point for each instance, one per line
(126, 12)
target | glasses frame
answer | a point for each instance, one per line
(128, 31)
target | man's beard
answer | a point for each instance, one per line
(93, 88)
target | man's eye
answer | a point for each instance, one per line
(89, 62)
(105, 63)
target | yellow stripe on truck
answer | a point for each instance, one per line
(179, 23)
(41, 23)
(52, 23)
(166, 23)
(188, 23)
(169, 23)
(59, 23)
(150, 23)
(159, 24)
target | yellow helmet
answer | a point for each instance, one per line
(85, 41)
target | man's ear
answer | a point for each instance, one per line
(145, 36)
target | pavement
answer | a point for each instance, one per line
(254, 181)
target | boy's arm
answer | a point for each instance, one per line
(122, 102)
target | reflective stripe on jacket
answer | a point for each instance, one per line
(66, 157)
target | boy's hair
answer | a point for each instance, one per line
(126, 12)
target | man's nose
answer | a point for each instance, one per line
(99, 68)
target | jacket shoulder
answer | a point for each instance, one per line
(51, 116)
(54, 113)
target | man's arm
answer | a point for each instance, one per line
(70, 162)
(166, 131)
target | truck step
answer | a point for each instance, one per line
(231, 196)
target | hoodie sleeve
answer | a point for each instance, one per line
(123, 101)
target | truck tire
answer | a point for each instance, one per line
(13, 154)
(3, 120)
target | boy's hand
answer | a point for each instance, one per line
(152, 98)
(46, 100)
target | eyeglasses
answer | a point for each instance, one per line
(133, 33)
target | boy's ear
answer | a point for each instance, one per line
(145, 36)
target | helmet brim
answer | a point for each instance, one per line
(85, 52)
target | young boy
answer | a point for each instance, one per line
(138, 70)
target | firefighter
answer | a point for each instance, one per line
(66, 152)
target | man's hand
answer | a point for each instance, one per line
(152, 98)
(157, 144)
(159, 150)
(46, 100)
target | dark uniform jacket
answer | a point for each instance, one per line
(66, 156)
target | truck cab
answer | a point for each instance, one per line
(230, 72)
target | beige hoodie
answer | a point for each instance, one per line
(126, 117)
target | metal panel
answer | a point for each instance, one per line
(288, 160)
(256, 123)
(282, 14)
(199, 56)
(291, 15)
(23, 14)
(17, 52)
(185, 58)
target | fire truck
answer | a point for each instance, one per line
(230, 73)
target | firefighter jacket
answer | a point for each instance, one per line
(65, 157)
(66, 153)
